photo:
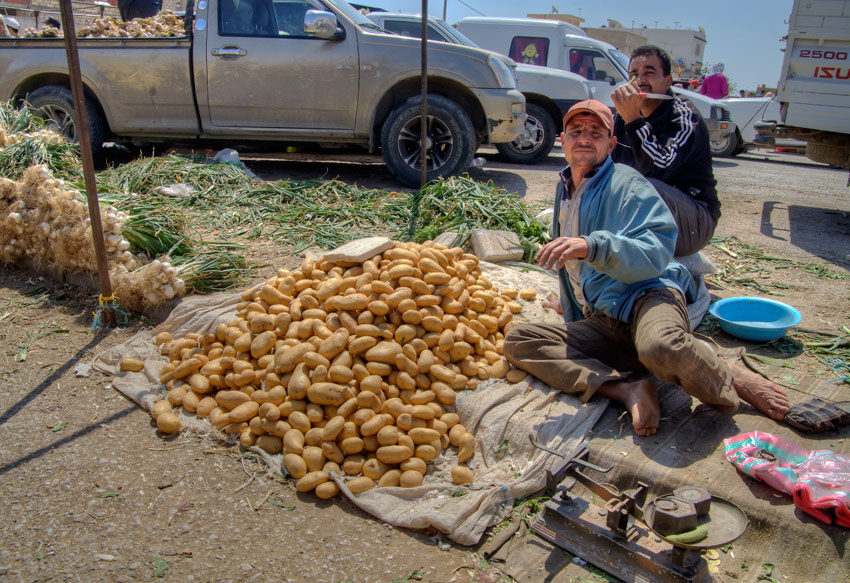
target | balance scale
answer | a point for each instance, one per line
(617, 537)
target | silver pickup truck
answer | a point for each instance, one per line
(286, 71)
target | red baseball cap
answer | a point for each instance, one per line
(593, 107)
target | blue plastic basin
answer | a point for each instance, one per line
(756, 319)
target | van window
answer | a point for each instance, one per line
(530, 50)
(412, 29)
(593, 66)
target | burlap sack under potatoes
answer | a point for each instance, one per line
(502, 416)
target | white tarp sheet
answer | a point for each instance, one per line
(501, 415)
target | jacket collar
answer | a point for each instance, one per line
(567, 177)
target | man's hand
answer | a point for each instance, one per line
(556, 253)
(627, 100)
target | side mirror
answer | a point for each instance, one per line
(320, 23)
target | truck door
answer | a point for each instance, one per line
(264, 71)
(600, 72)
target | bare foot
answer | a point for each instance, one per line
(764, 395)
(641, 400)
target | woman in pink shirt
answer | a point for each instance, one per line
(715, 85)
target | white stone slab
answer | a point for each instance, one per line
(359, 250)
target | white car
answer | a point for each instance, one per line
(748, 111)
(718, 118)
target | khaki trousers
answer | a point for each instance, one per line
(696, 227)
(579, 356)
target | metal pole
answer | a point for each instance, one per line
(81, 122)
(423, 141)
(445, 3)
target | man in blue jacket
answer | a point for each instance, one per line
(623, 297)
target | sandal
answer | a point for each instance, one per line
(817, 416)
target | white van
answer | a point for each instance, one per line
(552, 43)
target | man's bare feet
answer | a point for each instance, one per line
(764, 395)
(641, 400)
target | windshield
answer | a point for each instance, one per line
(621, 59)
(351, 12)
(457, 35)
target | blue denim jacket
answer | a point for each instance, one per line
(630, 235)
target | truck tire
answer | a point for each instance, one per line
(828, 154)
(727, 147)
(54, 104)
(450, 132)
(536, 141)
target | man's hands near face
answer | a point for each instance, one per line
(628, 101)
(555, 254)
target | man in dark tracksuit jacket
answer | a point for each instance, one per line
(667, 141)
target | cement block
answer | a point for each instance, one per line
(359, 250)
(496, 246)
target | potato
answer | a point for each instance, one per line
(375, 468)
(361, 484)
(293, 442)
(244, 412)
(466, 447)
(312, 479)
(327, 490)
(411, 479)
(131, 364)
(462, 475)
(162, 338)
(393, 454)
(528, 294)
(415, 464)
(499, 369)
(270, 444)
(384, 352)
(168, 423)
(325, 393)
(160, 407)
(314, 457)
(515, 375)
(390, 479)
(421, 435)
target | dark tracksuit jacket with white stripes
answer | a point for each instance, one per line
(670, 145)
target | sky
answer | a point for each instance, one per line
(743, 34)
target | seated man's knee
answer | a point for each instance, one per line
(657, 351)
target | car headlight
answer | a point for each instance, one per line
(504, 73)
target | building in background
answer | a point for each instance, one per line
(622, 38)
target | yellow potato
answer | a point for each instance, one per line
(131, 364)
(462, 475)
(528, 294)
(168, 423)
(411, 479)
(310, 480)
(361, 484)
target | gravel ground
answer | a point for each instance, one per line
(94, 495)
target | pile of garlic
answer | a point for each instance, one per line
(47, 225)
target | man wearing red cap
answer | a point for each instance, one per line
(623, 297)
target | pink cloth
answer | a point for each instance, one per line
(715, 86)
(818, 481)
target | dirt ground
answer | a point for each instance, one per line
(93, 494)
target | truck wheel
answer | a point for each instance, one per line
(536, 141)
(54, 104)
(727, 146)
(451, 140)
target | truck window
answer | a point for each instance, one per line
(263, 17)
(593, 66)
(530, 50)
(246, 18)
(412, 29)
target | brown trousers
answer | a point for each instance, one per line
(579, 356)
(696, 227)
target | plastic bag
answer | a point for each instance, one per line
(818, 480)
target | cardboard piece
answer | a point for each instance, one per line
(359, 250)
(496, 246)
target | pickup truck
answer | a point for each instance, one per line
(287, 71)
(559, 45)
(814, 84)
(549, 93)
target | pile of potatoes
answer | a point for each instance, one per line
(349, 367)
